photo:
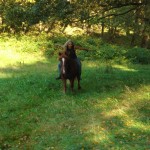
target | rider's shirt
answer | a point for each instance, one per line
(71, 53)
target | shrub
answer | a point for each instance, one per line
(139, 55)
(110, 54)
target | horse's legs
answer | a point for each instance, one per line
(72, 84)
(79, 66)
(65, 82)
(79, 86)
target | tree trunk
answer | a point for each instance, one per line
(133, 39)
(1, 23)
(136, 30)
(88, 29)
(111, 34)
(145, 40)
(103, 26)
(127, 32)
(145, 37)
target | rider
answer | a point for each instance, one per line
(70, 48)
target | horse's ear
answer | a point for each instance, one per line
(59, 53)
(65, 53)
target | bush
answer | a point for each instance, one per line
(109, 52)
(92, 44)
(139, 55)
(49, 48)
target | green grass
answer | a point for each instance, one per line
(112, 111)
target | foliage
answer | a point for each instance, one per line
(110, 14)
(139, 55)
(111, 54)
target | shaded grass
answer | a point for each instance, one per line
(110, 112)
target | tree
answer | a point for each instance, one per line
(127, 15)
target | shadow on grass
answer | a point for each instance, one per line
(36, 114)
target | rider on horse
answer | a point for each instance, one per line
(70, 50)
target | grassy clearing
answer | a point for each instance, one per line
(110, 112)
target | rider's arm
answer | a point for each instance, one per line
(80, 48)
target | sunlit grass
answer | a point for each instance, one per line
(125, 68)
(11, 61)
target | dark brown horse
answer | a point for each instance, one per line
(69, 70)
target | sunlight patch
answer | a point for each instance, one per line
(73, 31)
(99, 134)
(92, 64)
(135, 124)
(4, 75)
(12, 63)
(13, 58)
(125, 68)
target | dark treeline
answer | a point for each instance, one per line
(132, 17)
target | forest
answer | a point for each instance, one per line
(128, 17)
(112, 109)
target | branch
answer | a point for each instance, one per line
(123, 5)
(119, 5)
(115, 15)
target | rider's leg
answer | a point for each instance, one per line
(59, 70)
(79, 67)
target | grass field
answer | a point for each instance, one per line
(112, 111)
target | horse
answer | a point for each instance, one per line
(69, 70)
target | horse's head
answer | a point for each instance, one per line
(64, 61)
(62, 55)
